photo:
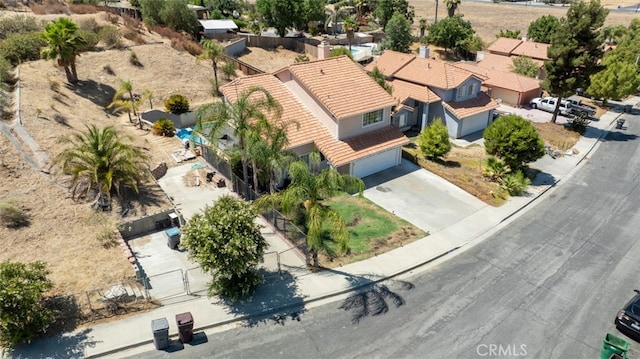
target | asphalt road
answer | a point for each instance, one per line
(547, 285)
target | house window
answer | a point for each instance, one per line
(371, 118)
(466, 91)
(402, 121)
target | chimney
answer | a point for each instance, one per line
(424, 52)
(524, 38)
(323, 50)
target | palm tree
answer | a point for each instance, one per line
(307, 191)
(452, 6)
(250, 109)
(423, 27)
(349, 27)
(99, 159)
(212, 51)
(130, 103)
(63, 45)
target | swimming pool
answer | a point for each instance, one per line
(186, 134)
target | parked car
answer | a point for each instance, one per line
(549, 104)
(577, 106)
(629, 317)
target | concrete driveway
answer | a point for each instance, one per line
(420, 197)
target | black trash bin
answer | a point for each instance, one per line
(185, 326)
(174, 237)
(160, 328)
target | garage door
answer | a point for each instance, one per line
(376, 163)
(474, 124)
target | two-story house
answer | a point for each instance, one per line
(336, 109)
(427, 89)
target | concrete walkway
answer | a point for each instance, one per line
(294, 289)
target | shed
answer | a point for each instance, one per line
(218, 26)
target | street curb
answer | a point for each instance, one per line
(382, 279)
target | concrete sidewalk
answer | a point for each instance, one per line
(297, 289)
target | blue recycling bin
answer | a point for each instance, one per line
(173, 235)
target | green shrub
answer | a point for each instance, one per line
(339, 51)
(19, 24)
(19, 48)
(133, 59)
(514, 140)
(164, 127)
(229, 70)
(12, 216)
(515, 183)
(177, 104)
(89, 24)
(495, 169)
(579, 122)
(111, 36)
(434, 140)
(6, 70)
(301, 58)
(90, 38)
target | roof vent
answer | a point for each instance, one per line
(322, 71)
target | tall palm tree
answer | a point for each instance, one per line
(212, 51)
(253, 107)
(98, 159)
(452, 6)
(63, 45)
(307, 191)
(350, 27)
(423, 27)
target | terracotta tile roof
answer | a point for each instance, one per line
(503, 79)
(402, 90)
(433, 73)
(342, 152)
(471, 107)
(390, 62)
(535, 50)
(504, 45)
(496, 62)
(310, 130)
(342, 86)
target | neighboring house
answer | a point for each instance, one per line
(427, 89)
(334, 108)
(201, 11)
(505, 87)
(502, 52)
(210, 27)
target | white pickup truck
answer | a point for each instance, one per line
(549, 104)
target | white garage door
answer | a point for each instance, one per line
(375, 163)
(474, 124)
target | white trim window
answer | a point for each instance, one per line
(467, 91)
(403, 120)
(371, 118)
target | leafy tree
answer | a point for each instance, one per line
(150, 10)
(349, 25)
(63, 45)
(452, 33)
(434, 140)
(177, 15)
(510, 34)
(226, 7)
(524, 65)
(613, 34)
(452, 6)
(279, 14)
(24, 313)
(398, 33)
(514, 140)
(18, 48)
(311, 10)
(380, 79)
(226, 242)
(385, 9)
(575, 50)
(543, 28)
(307, 191)
(339, 51)
(251, 108)
(618, 80)
(98, 159)
(213, 51)
(229, 70)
